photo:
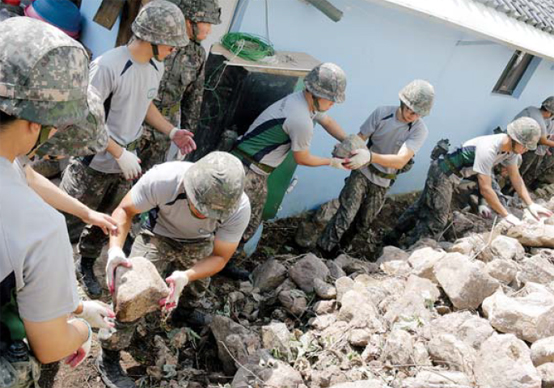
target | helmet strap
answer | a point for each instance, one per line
(155, 51)
(194, 27)
(43, 136)
(316, 103)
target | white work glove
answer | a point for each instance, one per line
(81, 354)
(338, 163)
(116, 257)
(95, 313)
(513, 220)
(129, 164)
(538, 211)
(484, 211)
(360, 158)
(183, 139)
(176, 282)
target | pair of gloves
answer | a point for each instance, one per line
(130, 163)
(536, 211)
(177, 281)
(360, 158)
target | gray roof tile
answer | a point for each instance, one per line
(538, 13)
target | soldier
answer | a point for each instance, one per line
(181, 89)
(45, 108)
(533, 162)
(127, 79)
(395, 134)
(287, 125)
(428, 216)
(197, 215)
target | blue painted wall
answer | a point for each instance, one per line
(381, 49)
(97, 38)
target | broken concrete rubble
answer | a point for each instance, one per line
(306, 270)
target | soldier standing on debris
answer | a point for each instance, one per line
(197, 215)
(533, 162)
(45, 108)
(127, 78)
(395, 134)
(428, 216)
(181, 89)
(287, 125)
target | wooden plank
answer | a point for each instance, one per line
(130, 12)
(108, 12)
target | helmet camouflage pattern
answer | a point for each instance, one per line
(43, 73)
(215, 184)
(525, 131)
(207, 11)
(418, 95)
(161, 22)
(327, 81)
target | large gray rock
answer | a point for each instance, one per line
(546, 371)
(536, 269)
(234, 342)
(343, 285)
(505, 362)
(307, 269)
(396, 268)
(271, 372)
(542, 351)
(138, 290)
(408, 308)
(503, 270)
(310, 229)
(423, 262)
(399, 348)
(438, 378)
(529, 317)
(507, 248)
(463, 280)
(357, 308)
(349, 144)
(471, 329)
(294, 301)
(391, 253)
(269, 275)
(533, 235)
(276, 337)
(422, 287)
(325, 307)
(446, 349)
(324, 290)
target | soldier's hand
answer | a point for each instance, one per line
(359, 158)
(96, 314)
(183, 139)
(75, 359)
(512, 220)
(538, 211)
(129, 164)
(103, 221)
(177, 281)
(338, 163)
(116, 257)
(484, 211)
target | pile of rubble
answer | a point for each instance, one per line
(475, 312)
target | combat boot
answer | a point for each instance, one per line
(110, 370)
(89, 281)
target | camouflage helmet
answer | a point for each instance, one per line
(327, 81)
(548, 104)
(206, 11)
(88, 138)
(526, 132)
(418, 95)
(43, 73)
(161, 22)
(215, 184)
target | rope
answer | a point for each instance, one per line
(247, 46)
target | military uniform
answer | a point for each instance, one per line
(428, 216)
(363, 195)
(179, 100)
(172, 238)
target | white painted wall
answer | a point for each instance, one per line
(381, 49)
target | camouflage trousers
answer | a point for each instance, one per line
(255, 187)
(167, 255)
(360, 201)
(547, 170)
(50, 168)
(152, 148)
(99, 191)
(531, 167)
(428, 216)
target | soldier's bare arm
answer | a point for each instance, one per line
(333, 128)
(393, 161)
(123, 216)
(486, 190)
(518, 184)
(211, 265)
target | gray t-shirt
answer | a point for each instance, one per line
(547, 127)
(287, 124)
(35, 252)
(387, 136)
(482, 153)
(127, 88)
(161, 191)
